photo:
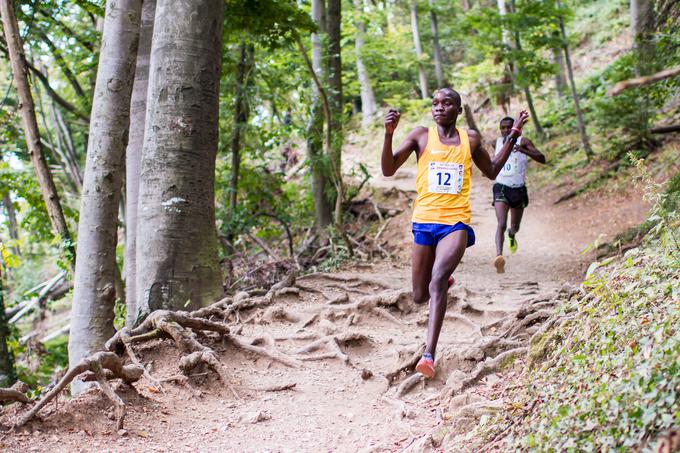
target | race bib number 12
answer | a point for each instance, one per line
(445, 177)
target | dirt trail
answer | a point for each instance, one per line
(330, 405)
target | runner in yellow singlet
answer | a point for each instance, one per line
(442, 211)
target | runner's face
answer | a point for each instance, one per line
(505, 128)
(445, 108)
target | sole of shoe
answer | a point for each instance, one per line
(499, 263)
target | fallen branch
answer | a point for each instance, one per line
(12, 395)
(644, 80)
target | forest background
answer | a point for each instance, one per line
(223, 149)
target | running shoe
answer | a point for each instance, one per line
(426, 367)
(499, 262)
(512, 244)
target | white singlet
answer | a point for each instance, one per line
(514, 172)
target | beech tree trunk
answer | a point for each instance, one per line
(7, 372)
(319, 168)
(577, 105)
(133, 156)
(94, 288)
(368, 105)
(438, 59)
(177, 262)
(334, 24)
(424, 90)
(30, 124)
(642, 26)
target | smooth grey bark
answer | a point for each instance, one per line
(319, 169)
(424, 90)
(7, 371)
(368, 105)
(641, 27)
(177, 262)
(30, 123)
(438, 58)
(133, 156)
(577, 104)
(94, 289)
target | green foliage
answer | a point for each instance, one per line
(610, 375)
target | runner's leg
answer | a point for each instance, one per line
(422, 258)
(515, 220)
(502, 218)
(449, 252)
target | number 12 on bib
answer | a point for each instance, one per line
(445, 177)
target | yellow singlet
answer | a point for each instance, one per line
(443, 181)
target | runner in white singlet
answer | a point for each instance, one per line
(510, 191)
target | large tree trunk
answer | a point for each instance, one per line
(177, 262)
(94, 292)
(245, 64)
(368, 105)
(30, 124)
(320, 180)
(7, 372)
(438, 58)
(133, 156)
(642, 26)
(424, 90)
(577, 105)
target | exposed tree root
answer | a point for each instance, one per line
(409, 383)
(13, 396)
(407, 365)
(96, 363)
(334, 343)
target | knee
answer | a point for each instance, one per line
(502, 226)
(438, 284)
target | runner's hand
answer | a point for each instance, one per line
(520, 121)
(391, 121)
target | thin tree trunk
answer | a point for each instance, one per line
(368, 104)
(7, 372)
(63, 65)
(424, 90)
(560, 79)
(64, 134)
(577, 105)
(177, 262)
(641, 26)
(246, 56)
(133, 156)
(94, 288)
(11, 221)
(320, 180)
(30, 124)
(334, 23)
(438, 59)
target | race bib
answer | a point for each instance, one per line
(445, 177)
(511, 167)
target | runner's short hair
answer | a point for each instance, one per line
(508, 118)
(452, 92)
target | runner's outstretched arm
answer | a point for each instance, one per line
(492, 166)
(528, 148)
(391, 161)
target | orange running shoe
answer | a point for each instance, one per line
(426, 366)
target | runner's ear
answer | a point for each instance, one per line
(460, 110)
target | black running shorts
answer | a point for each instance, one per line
(515, 197)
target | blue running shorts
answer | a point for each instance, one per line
(429, 234)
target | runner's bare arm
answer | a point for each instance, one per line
(492, 166)
(391, 161)
(528, 148)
